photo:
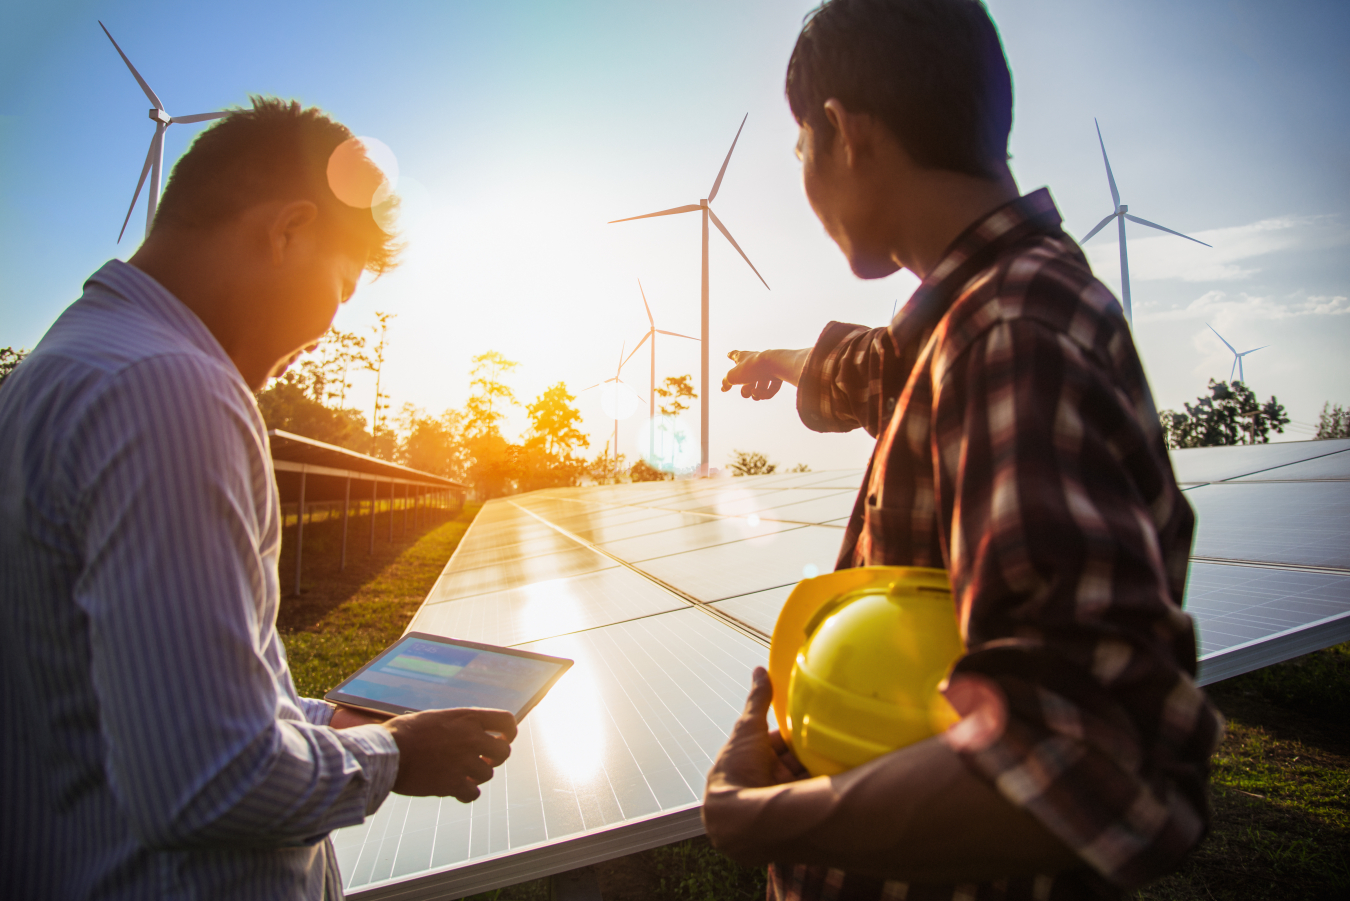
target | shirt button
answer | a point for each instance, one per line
(890, 404)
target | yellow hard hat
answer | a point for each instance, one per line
(856, 660)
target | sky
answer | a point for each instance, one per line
(521, 128)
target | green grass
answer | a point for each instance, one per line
(1280, 787)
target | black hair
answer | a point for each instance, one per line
(932, 71)
(276, 150)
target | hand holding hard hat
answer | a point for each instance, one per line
(856, 662)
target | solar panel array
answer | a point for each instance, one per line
(665, 594)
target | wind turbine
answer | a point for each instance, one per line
(617, 382)
(1237, 357)
(705, 207)
(154, 159)
(652, 332)
(1120, 215)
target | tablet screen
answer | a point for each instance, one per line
(425, 672)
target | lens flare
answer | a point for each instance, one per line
(668, 443)
(570, 720)
(363, 172)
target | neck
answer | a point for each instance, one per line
(935, 206)
(196, 272)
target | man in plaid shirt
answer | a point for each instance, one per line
(1019, 449)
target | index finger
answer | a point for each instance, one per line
(503, 722)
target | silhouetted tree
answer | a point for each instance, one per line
(9, 359)
(750, 463)
(1230, 415)
(1334, 421)
(642, 471)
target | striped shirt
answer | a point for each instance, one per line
(154, 745)
(1019, 449)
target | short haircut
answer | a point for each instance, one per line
(276, 150)
(932, 71)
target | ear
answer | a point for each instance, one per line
(289, 224)
(851, 130)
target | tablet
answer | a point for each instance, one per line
(428, 672)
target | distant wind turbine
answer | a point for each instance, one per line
(705, 207)
(617, 382)
(652, 332)
(154, 159)
(1120, 215)
(1237, 357)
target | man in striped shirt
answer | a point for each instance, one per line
(1018, 448)
(154, 744)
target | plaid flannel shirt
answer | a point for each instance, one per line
(1019, 449)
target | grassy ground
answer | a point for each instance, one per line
(1281, 786)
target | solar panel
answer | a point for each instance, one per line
(665, 594)
(1302, 523)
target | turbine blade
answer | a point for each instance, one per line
(1253, 350)
(1134, 218)
(1221, 338)
(723, 229)
(200, 117)
(723, 171)
(650, 320)
(634, 350)
(1098, 227)
(1115, 195)
(687, 208)
(690, 337)
(145, 170)
(139, 80)
(596, 385)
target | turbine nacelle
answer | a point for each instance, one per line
(160, 116)
(1122, 212)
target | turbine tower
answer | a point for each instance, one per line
(705, 207)
(154, 159)
(652, 332)
(1237, 357)
(617, 382)
(1120, 215)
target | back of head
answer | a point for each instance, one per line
(932, 71)
(275, 151)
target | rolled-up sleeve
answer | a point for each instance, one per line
(1065, 599)
(847, 380)
(197, 751)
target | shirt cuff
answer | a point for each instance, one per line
(380, 753)
(816, 386)
(317, 712)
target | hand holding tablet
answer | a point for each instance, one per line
(455, 706)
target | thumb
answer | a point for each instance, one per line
(760, 697)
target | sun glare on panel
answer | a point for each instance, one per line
(571, 719)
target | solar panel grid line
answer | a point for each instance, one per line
(1265, 564)
(1270, 649)
(726, 618)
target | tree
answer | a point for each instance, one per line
(800, 467)
(433, 444)
(1230, 415)
(642, 471)
(490, 392)
(9, 359)
(375, 363)
(1333, 423)
(749, 463)
(287, 404)
(554, 420)
(676, 390)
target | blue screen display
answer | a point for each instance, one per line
(424, 675)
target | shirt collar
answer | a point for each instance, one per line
(140, 290)
(972, 251)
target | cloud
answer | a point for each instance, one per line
(1232, 255)
(1220, 308)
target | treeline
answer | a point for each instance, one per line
(314, 399)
